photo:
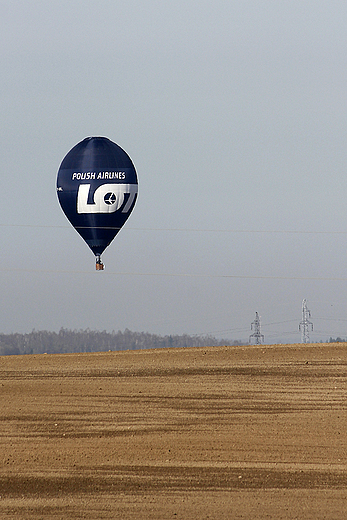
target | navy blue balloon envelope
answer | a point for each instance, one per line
(97, 190)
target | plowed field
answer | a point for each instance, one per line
(208, 433)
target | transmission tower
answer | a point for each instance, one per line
(305, 325)
(257, 335)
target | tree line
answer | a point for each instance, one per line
(69, 341)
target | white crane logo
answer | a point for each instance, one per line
(110, 198)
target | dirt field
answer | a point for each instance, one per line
(208, 433)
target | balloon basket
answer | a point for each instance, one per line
(99, 266)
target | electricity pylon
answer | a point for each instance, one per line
(305, 325)
(257, 335)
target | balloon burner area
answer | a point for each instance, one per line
(99, 265)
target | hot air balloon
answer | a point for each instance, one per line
(97, 191)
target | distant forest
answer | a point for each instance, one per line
(68, 341)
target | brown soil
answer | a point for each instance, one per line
(209, 433)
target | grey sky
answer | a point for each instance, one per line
(234, 113)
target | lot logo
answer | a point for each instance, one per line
(107, 198)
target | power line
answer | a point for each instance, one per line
(177, 275)
(244, 329)
(278, 323)
(202, 230)
(330, 319)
